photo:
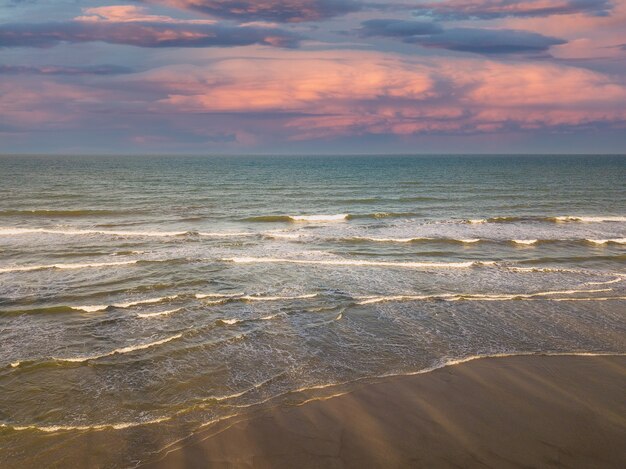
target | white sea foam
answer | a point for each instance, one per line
(606, 298)
(61, 428)
(584, 219)
(608, 282)
(391, 240)
(92, 308)
(230, 321)
(270, 317)
(160, 313)
(476, 297)
(544, 269)
(28, 268)
(525, 241)
(119, 351)
(607, 241)
(353, 262)
(277, 298)
(281, 234)
(227, 234)
(68, 232)
(319, 218)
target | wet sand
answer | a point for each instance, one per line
(525, 411)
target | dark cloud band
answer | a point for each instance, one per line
(477, 40)
(488, 41)
(143, 34)
(58, 70)
(283, 11)
(491, 9)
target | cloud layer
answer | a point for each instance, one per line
(288, 11)
(142, 34)
(248, 75)
(490, 9)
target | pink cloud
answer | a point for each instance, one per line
(303, 95)
(131, 14)
(362, 93)
(289, 11)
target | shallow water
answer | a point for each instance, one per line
(163, 293)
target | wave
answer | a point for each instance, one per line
(277, 298)
(225, 234)
(382, 215)
(230, 321)
(608, 282)
(222, 298)
(60, 213)
(93, 308)
(119, 351)
(84, 232)
(299, 218)
(67, 428)
(482, 297)
(160, 313)
(282, 235)
(606, 298)
(21, 231)
(357, 239)
(44, 310)
(28, 268)
(607, 241)
(328, 218)
(351, 262)
(553, 219)
(528, 242)
(596, 219)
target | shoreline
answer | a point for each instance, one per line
(511, 411)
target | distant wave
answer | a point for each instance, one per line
(299, 218)
(354, 262)
(481, 297)
(118, 351)
(93, 308)
(555, 219)
(382, 215)
(27, 268)
(222, 298)
(527, 242)
(61, 213)
(83, 232)
(361, 239)
(607, 241)
(598, 219)
(282, 235)
(160, 313)
(327, 218)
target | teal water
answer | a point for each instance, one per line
(144, 295)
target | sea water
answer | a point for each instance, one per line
(142, 298)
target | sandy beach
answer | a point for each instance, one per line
(524, 411)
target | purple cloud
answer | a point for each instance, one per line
(142, 34)
(57, 70)
(488, 41)
(490, 9)
(283, 11)
(398, 28)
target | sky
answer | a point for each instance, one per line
(312, 76)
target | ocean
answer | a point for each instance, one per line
(142, 298)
